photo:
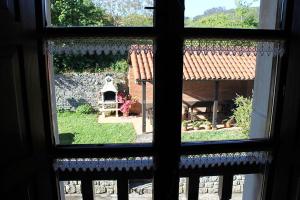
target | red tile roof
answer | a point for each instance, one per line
(199, 66)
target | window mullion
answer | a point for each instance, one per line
(167, 98)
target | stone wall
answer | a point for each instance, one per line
(74, 89)
(207, 185)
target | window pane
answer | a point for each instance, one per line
(105, 189)
(70, 190)
(228, 89)
(99, 92)
(140, 189)
(99, 13)
(245, 14)
(233, 175)
(247, 186)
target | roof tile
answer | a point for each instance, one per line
(200, 66)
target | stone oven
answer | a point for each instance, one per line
(108, 97)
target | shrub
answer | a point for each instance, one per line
(120, 66)
(242, 112)
(85, 109)
(61, 110)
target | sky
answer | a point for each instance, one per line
(197, 7)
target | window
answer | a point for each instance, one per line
(100, 13)
(99, 96)
(241, 14)
(165, 66)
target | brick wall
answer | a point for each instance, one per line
(195, 89)
(135, 89)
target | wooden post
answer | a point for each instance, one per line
(192, 187)
(117, 105)
(215, 106)
(144, 106)
(225, 187)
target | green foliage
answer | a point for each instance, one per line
(61, 110)
(185, 122)
(128, 12)
(85, 109)
(243, 16)
(213, 135)
(120, 66)
(136, 20)
(197, 123)
(77, 13)
(242, 112)
(81, 13)
(89, 63)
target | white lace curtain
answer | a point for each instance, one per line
(106, 46)
(141, 163)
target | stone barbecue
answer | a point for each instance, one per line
(108, 100)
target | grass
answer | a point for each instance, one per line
(213, 135)
(77, 128)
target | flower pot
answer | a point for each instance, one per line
(208, 127)
(227, 125)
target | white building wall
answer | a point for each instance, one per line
(261, 96)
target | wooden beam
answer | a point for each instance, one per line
(192, 187)
(225, 187)
(215, 106)
(144, 106)
(122, 184)
(87, 189)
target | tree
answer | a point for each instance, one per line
(214, 10)
(78, 13)
(83, 13)
(244, 16)
(247, 15)
(124, 12)
(136, 20)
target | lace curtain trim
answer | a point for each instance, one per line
(200, 46)
(146, 163)
(214, 160)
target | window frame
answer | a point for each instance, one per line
(168, 21)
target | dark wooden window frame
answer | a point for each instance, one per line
(168, 33)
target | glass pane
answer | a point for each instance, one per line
(101, 90)
(70, 190)
(140, 189)
(244, 186)
(245, 14)
(99, 13)
(228, 89)
(247, 186)
(105, 189)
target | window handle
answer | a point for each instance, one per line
(149, 8)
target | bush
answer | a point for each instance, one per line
(89, 63)
(242, 112)
(85, 109)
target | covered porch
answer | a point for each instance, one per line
(210, 81)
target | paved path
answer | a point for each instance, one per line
(135, 120)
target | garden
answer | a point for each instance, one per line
(81, 126)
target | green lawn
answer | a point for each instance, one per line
(77, 128)
(213, 135)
